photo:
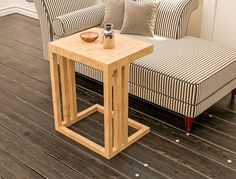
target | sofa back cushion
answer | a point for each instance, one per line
(140, 18)
(114, 13)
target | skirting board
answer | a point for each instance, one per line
(20, 10)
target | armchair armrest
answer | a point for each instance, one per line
(78, 20)
(173, 17)
(49, 9)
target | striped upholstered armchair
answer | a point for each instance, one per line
(183, 74)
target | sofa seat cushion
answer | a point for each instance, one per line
(189, 70)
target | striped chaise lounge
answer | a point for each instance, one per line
(184, 74)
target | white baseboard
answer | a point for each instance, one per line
(17, 9)
(7, 10)
(27, 12)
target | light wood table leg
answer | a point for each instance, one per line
(121, 106)
(64, 90)
(55, 90)
(72, 89)
(124, 104)
(117, 100)
(108, 112)
(68, 90)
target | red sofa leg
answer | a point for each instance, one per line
(233, 93)
(188, 123)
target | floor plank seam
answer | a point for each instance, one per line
(30, 54)
(194, 151)
(187, 166)
(221, 119)
(193, 135)
(22, 51)
(230, 110)
(23, 73)
(151, 168)
(18, 158)
(24, 86)
(25, 63)
(26, 102)
(223, 133)
(15, 15)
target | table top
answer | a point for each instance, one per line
(93, 54)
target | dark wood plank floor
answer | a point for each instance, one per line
(30, 147)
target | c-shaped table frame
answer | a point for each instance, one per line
(115, 108)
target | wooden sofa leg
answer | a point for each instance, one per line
(188, 123)
(233, 93)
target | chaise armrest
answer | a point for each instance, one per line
(173, 17)
(78, 20)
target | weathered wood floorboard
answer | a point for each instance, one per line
(11, 167)
(29, 50)
(39, 161)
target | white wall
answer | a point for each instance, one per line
(225, 23)
(6, 3)
(219, 21)
(7, 7)
(26, 8)
(17, 6)
(194, 27)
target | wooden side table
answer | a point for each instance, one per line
(115, 66)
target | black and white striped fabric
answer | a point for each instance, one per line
(57, 8)
(47, 10)
(179, 106)
(180, 75)
(185, 69)
(45, 25)
(78, 20)
(173, 17)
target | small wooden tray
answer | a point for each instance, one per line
(89, 36)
